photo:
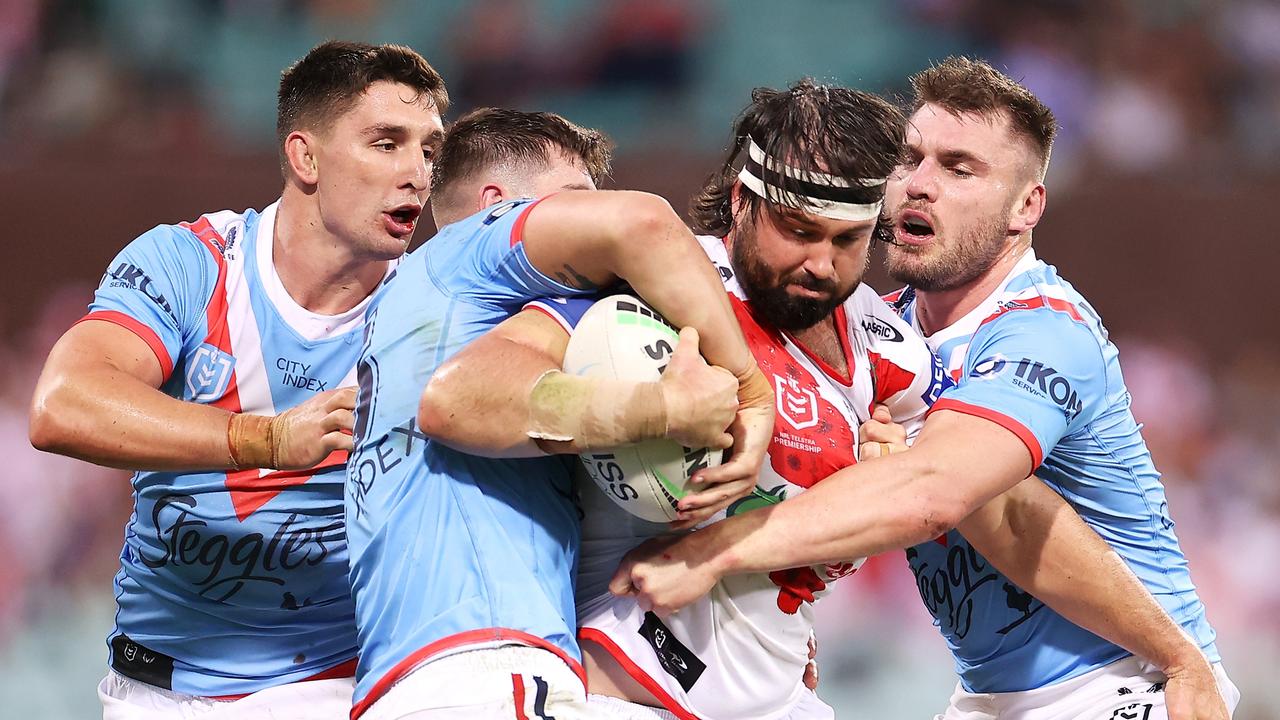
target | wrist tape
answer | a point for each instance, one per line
(252, 441)
(594, 412)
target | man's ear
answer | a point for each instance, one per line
(735, 197)
(490, 195)
(299, 153)
(1029, 210)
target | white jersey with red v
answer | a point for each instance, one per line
(749, 635)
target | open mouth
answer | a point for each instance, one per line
(401, 220)
(914, 227)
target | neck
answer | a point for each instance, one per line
(823, 340)
(940, 309)
(319, 270)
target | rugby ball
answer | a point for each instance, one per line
(622, 338)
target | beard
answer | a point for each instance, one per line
(938, 267)
(770, 298)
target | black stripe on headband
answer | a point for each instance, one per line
(854, 195)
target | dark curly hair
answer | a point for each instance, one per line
(812, 127)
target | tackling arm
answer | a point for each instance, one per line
(589, 239)
(98, 400)
(1037, 540)
(487, 399)
(958, 463)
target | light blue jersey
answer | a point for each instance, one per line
(451, 551)
(231, 582)
(1035, 358)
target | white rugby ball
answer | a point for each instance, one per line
(622, 338)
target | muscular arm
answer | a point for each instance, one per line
(478, 400)
(482, 400)
(1035, 538)
(589, 239)
(97, 400)
(958, 463)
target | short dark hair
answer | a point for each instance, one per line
(965, 85)
(493, 136)
(812, 127)
(328, 80)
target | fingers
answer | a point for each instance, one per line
(687, 348)
(701, 505)
(876, 431)
(341, 419)
(339, 440)
(342, 398)
(739, 467)
(880, 413)
(621, 583)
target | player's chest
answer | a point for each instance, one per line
(816, 414)
(246, 365)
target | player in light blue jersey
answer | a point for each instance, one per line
(461, 566)
(1037, 389)
(218, 360)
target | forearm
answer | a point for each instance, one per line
(587, 240)
(673, 274)
(1039, 542)
(108, 417)
(957, 464)
(501, 397)
(887, 503)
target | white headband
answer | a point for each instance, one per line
(819, 193)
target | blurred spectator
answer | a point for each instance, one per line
(498, 62)
(643, 45)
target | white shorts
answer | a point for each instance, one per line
(513, 682)
(124, 698)
(1131, 689)
(709, 683)
(809, 708)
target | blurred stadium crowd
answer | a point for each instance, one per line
(1180, 96)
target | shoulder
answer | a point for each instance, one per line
(1039, 301)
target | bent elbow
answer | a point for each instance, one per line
(434, 416)
(46, 429)
(650, 215)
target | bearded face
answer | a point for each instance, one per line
(946, 260)
(797, 268)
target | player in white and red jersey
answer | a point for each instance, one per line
(741, 650)
(217, 360)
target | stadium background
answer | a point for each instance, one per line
(116, 115)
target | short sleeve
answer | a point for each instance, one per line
(157, 287)
(567, 312)
(1039, 374)
(482, 259)
(910, 398)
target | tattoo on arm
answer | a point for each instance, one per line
(570, 277)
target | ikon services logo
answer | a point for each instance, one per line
(209, 373)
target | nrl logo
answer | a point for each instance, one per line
(208, 374)
(797, 404)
